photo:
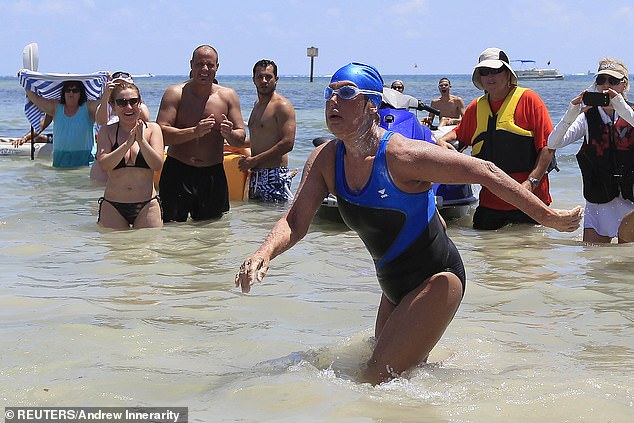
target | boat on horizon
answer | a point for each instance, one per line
(535, 73)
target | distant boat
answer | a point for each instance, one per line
(143, 75)
(532, 72)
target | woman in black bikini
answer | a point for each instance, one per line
(130, 151)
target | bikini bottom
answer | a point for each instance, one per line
(129, 211)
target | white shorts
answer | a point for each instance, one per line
(606, 218)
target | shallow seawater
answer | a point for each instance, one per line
(152, 317)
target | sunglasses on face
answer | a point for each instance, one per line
(397, 87)
(490, 71)
(347, 92)
(72, 90)
(124, 75)
(612, 80)
(122, 102)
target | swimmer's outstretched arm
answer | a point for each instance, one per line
(429, 163)
(291, 228)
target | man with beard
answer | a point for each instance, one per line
(196, 117)
(272, 135)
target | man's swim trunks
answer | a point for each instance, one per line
(199, 191)
(270, 185)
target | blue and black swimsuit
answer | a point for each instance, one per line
(403, 232)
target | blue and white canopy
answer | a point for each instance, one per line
(49, 85)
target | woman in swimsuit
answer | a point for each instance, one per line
(130, 151)
(382, 182)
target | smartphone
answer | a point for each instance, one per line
(596, 99)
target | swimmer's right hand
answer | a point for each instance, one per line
(251, 271)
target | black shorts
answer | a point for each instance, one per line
(491, 219)
(199, 191)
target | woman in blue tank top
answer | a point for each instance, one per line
(74, 120)
(382, 182)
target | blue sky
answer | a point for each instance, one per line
(397, 36)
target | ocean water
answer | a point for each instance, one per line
(92, 317)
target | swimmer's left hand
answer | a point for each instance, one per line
(566, 220)
(251, 271)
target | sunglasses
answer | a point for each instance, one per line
(397, 87)
(72, 90)
(122, 102)
(347, 92)
(490, 71)
(612, 80)
(124, 75)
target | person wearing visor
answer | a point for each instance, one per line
(382, 183)
(73, 116)
(522, 125)
(606, 156)
(104, 114)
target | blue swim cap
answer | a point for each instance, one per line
(364, 76)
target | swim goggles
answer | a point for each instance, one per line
(348, 92)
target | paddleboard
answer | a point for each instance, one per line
(42, 150)
(31, 57)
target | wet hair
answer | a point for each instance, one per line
(120, 86)
(264, 63)
(444, 79)
(82, 91)
(204, 46)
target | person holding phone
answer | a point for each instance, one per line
(606, 156)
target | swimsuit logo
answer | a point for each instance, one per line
(382, 193)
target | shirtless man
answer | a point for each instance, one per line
(451, 106)
(272, 135)
(196, 116)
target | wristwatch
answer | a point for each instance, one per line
(534, 181)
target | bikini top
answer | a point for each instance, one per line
(138, 162)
